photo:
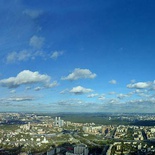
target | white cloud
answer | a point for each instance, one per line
(80, 74)
(139, 85)
(113, 101)
(36, 42)
(92, 95)
(38, 54)
(56, 54)
(121, 96)
(137, 91)
(19, 99)
(24, 55)
(80, 90)
(70, 103)
(11, 57)
(51, 85)
(33, 13)
(144, 95)
(64, 91)
(113, 82)
(37, 88)
(13, 91)
(25, 77)
(18, 56)
(146, 102)
(101, 97)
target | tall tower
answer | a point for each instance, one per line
(55, 122)
(58, 122)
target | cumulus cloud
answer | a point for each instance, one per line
(36, 42)
(80, 90)
(92, 95)
(80, 74)
(113, 82)
(51, 85)
(56, 54)
(33, 13)
(139, 85)
(27, 77)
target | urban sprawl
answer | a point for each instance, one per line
(36, 134)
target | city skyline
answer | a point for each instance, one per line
(77, 56)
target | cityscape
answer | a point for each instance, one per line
(77, 77)
(49, 134)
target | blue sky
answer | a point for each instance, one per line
(77, 55)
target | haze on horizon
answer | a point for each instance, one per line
(77, 56)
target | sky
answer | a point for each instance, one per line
(77, 56)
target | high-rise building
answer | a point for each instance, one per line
(81, 149)
(58, 122)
